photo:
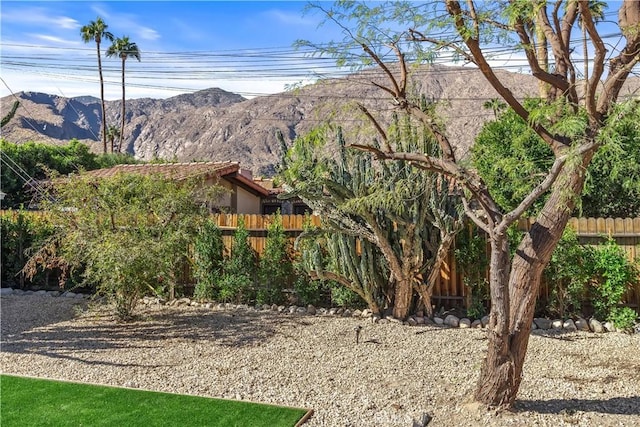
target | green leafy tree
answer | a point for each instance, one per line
(123, 48)
(34, 161)
(275, 265)
(512, 160)
(394, 213)
(208, 260)
(238, 279)
(130, 234)
(97, 31)
(573, 128)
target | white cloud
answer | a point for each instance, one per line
(48, 38)
(289, 18)
(148, 34)
(39, 16)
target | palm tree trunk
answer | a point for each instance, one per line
(123, 109)
(104, 114)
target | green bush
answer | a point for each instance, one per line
(568, 274)
(345, 297)
(471, 258)
(208, 260)
(22, 231)
(238, 280)
(613, 275)
(275, 267)
(130, 233)
(39, 160)
(623, 318)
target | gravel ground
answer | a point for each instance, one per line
(394, 376)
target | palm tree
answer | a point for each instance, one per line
(496, 105)
(112, 133)
(123, 48)
(96, 31)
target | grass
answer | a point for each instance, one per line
(37, 402)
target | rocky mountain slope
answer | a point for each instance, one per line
(213, 124)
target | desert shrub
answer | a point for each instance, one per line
(21, 231)
(208, 260)
(130, 233)
(238, 280)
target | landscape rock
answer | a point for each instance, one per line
(366, 313)
(485, 321)
(534, 326)
(465, 323)
(438, 321)
(476, 323)
(452, 321)
(569, 325)
(556, 324)
(357, 313)
(542, 323)
(582, 324)
(609, 327)
(311, 309)
(596, 326)
(411, 321)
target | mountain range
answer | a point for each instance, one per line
(216, 125)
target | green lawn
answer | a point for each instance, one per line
(37, 402)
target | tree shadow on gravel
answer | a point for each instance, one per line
(98, 334)
(614, 405)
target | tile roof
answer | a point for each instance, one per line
(178, 171)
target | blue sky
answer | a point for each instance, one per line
(203, 43)
(240, 46)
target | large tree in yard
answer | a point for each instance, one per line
(123, 48)
(573, 128)
(96, 31)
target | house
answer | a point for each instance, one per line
(246, 195)
(272, 204)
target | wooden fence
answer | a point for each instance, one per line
(449, 290)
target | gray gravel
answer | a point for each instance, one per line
(395, 376)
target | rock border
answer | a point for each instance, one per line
(449, 320)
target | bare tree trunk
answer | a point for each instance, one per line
(402, 298)
(512, 308)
